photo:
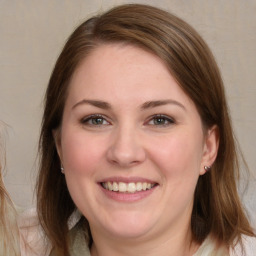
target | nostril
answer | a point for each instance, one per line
(126, 154)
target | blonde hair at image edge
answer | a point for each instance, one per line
(9, 235)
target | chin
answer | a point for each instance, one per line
(128, 232)
(127, 226)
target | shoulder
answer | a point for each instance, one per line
(78, 236)
(78, 239)
(33, 242)
(211, 247)
(248, 249)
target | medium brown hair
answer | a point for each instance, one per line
(217, 209)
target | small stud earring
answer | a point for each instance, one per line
(207, 168)
(62, 169)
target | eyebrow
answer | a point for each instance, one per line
(96, 103)
(146, 105)
(158, 103)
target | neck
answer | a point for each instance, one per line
(177, 244)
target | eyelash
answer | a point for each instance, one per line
(162, 120)
(89, 120)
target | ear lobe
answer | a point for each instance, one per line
(211, 146)
(57, 140)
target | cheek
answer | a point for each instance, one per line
(178, 156)
(81, 158)
(80, 153)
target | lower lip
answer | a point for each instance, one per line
(128, 197)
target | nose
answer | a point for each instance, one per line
(126, 148)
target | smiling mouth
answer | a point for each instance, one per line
(130, 187)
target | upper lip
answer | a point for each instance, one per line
(127, 179)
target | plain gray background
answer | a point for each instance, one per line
(32, 34)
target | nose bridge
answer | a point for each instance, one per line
(126, 148)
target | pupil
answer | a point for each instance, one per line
(159, 121)
(97, 121)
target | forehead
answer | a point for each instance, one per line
(123, 71)
(119, 57)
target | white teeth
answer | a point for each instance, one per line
(131, 188)
(127, 187)
(109, 186)
(139, 186)
(115, 186)
(122, 187)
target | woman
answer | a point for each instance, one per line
(9, 235)
(20, 232)
(136, 135)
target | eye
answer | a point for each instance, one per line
(94, 120)
(160, 120)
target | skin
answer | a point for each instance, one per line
(130, 141)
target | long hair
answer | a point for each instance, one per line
(217, 209)
(9, 235)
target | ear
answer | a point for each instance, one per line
(210, 148)
(57, 139)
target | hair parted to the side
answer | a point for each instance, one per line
(217, 209)
(9, 234)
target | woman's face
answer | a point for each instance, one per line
(132, 144)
